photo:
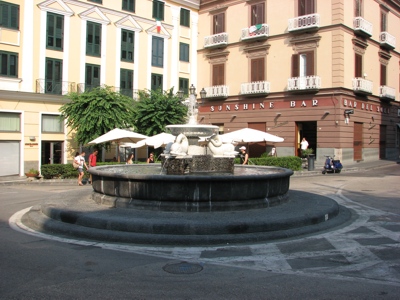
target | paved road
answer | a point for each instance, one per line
(359, 260)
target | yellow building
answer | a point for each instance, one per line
(49, 48)
(327, 70)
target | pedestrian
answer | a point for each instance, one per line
(92, 162)
(150, 160)
(129, 160)
(304, 144)
(273, 152)
(80, 160)
(244, 156)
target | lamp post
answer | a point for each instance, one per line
(203, 95)
(180, 94)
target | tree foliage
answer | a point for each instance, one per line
(96, 112)
(157, 109)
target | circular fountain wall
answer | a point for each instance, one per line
(145, 187)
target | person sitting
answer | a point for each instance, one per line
(129, 160)
(150, 159)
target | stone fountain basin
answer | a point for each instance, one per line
(145, 187)
(193, 130)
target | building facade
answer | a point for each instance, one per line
(326, 70)
(53, 47)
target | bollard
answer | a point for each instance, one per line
(310, 162)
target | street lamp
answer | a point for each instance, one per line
(203, 95)
(192, 90)
(180, 94)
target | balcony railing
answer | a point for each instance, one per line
(362, 26)
(304, 83)
(255, 32)
(219, 39)
(44, 86)
(255, 88)
(83, 87)
(387, 92)
(362, 85)
(128, 92)
(386, 39)
(304, 22)
(217, 91)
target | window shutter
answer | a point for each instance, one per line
(310, 63)
(383, 75)
(219, 23)
(218, 74)
(358, 65)
(295, 65)
(257, 14)
(257, 69)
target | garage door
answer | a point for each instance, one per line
(10, 157)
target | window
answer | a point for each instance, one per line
(53, 82)
(92, 77)
(184, 52)
(156, 81)
(55, 31)
(257, 69)
(158, 10)
(10, 122)
(9, 15)
(358, 66)
(383, 74)
(185, 17)
(184, 85)
(128, 5)
(306, 7)
(127, 45)
(93, 39)
(218, 74)
(258, 13)
(383, 21)
(358, 8)
(303, 64)
(52, 123)
(157, 52)
(219, 23)
(96, 1)
(8, 64)
(126, 82)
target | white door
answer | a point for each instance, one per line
(10, 157)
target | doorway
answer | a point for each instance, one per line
(306, 130)
(257, 149)
(52, 152)
(358, 141)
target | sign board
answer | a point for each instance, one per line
(349, 111)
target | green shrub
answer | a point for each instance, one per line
(288, 162)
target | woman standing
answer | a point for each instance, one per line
(129, 161)
(150, 160)
(244, 156)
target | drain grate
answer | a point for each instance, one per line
(183, 268)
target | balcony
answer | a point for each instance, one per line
(217, 92)
(216, 40)
(255, 88)
(255, 32)
(362, 27)
(305, 22)
(387, 93)
(44, 86)
(304, 83)
(362, 86)
(387, 40)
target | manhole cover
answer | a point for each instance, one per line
(183, 268)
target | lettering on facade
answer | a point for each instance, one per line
(261, 105)
(31, 144)
(365, 106)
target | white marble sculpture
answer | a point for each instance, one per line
(218, 148)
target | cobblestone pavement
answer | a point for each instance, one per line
(366, 248)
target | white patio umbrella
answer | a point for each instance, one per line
(248, 135)
(156, 141)
(118, 136)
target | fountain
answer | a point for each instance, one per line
(196, 196)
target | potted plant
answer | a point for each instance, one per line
(32, 173)
(307, 152)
